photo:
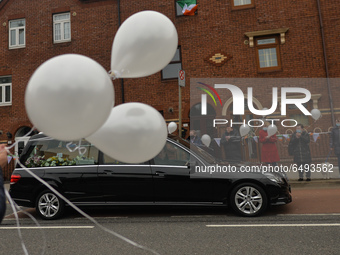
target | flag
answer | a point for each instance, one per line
(315, 136)
(218, 141)
(287, 137)
(188, 6)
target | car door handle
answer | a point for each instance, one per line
(160, 173)
(108, 172)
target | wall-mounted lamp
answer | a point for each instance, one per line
(9, 135)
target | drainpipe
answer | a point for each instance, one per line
(121, 79)
(326, 64)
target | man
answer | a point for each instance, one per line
(230, 141)
(194, 138)
(301, 151)
(335, 141)
(3, 163)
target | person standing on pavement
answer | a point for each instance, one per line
(335, 141)
(194, 138)
(3, 163)
(231, 142)
(269, 152)
(301, 151)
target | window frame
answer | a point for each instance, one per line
(275, 45)
(242, 7)
(3, 92)
(173, 62)
(176, 151)
(16, 29)
(297, 111)
(62, 31)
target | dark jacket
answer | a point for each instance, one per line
(195, 140)
(301, 150)
(335, 140)
(2, 197)
(232, 147)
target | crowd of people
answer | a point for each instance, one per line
(298, 148)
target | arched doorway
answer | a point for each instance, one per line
(202, 123)
(250, 146)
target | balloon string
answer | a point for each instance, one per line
(114, 74)
(16, 208)
(82, 150)
(17, 222)
(26, 135)
(86, 215)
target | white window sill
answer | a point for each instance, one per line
(61, 41)
(16, 47)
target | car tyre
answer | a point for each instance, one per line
(49, 206)
(248, 199)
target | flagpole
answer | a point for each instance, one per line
(180, 111)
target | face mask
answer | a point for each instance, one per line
(265, 128)
(337, 124)
(298, 131)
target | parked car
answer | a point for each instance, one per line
(171, 178)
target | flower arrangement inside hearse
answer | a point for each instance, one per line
(40, 161)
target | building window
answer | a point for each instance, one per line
(242, 4)
(61, 27)
(268, 54)
(5, 90)
(186, 7)
(17, 33)
(295, 114)
(171, 70)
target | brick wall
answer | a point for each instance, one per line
(215, 28)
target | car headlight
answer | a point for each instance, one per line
(273, 177)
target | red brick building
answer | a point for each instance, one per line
(246, 32)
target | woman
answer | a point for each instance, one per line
(269, 153)
(230, 141)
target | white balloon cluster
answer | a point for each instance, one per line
(71, 96)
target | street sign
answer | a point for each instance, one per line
(181, 78)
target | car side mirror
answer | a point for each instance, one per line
(191, 164)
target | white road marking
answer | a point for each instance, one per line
(310, 214)
(49, 227)
(275, 225)
(191, 216)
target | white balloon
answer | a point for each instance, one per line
(69, 97)
(272, 129)
(316, 114)
(134, 133)
(244, 130)
(206, 140)
(144, 44)
(172, 127)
